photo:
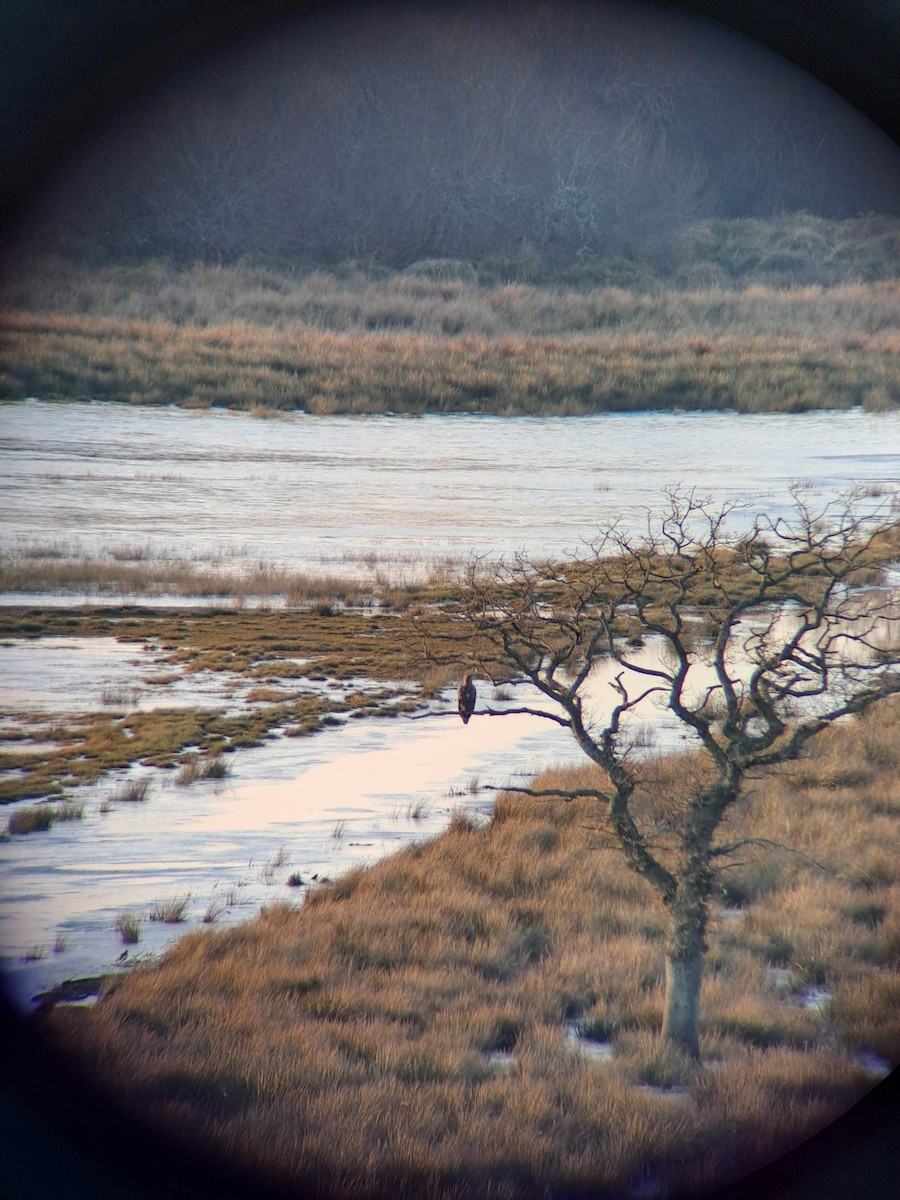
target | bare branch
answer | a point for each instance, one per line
(555, 793)
(491, 712)
(727, 849)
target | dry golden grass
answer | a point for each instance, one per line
(375, 1008)
(41, 817)
(202, 767)
(244, 366)
(266, 341)
(49, 569)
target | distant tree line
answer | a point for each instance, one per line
(537, 135)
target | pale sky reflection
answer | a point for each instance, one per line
(426, 762)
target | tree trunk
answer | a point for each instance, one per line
(684, 960)
(681, 1020)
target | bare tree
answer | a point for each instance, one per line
(755, 643)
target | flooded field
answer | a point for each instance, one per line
(351, 496)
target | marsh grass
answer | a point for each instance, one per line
(42, 568)
(120, 697)
(32, 819)
(419, 810)
(731, 333)
(214, 910)
(266, 648)
(234, 894)
(422, 1006)
(199, 767)
(133, 791)
(129, 928)
(171, 911)
(38, 818)
(68, 810)
(268, 870)
(572, 373)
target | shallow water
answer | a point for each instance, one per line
(318, 493)
(48, 674)
(347, 495)
(315, 806)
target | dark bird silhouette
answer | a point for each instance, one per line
(465, 697)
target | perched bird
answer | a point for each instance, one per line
(465, 697)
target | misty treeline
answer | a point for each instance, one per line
(533, 136)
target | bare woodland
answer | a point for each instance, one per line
(533, 136)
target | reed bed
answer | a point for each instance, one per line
(50, 569)
(426, 1007)
(247, 367)
(777, 316)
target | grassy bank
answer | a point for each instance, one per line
(759, 317)
(421, 1006)
(261, 370)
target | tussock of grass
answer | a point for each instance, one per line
(133, 791)
(129, 928)
(120, 697)
(33, 819)
(198, 767)
(214, 910)
(376, 1006)
(170, 911)
(40, 817)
